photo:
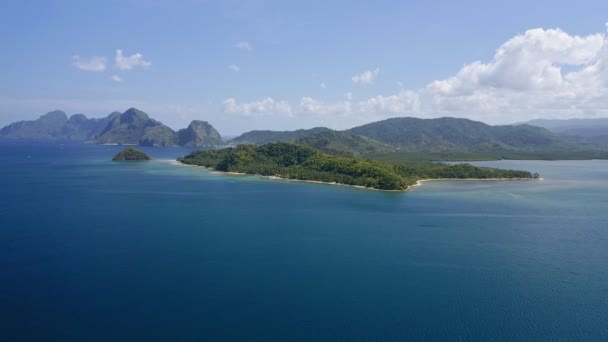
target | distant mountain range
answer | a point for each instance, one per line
(265, 137)
(578, 127)
(131, 127)
(588, 133)
(413, 134)
(404, 134)
(448, 134)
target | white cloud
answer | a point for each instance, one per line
(379, 107)
(541, 73)
(265, 107)
(405, 103)
(311, 107)
(244, 46)
(89, 64)
(323, 85)
(130, 62)
(367, 77)
(117, 79)
(234, 67)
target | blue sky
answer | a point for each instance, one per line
(286, 65)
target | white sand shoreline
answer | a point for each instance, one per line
(411, 187)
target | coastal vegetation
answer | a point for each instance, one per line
(299, 162)
(131, 154)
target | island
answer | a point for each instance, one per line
(131, 154)
(305, 163)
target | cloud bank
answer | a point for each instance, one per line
(540, 73)
(129, 62)
(89, 64)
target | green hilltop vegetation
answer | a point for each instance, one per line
(454, 134)
(444, 139)
(131, 154)
(299, 162)
(265, 137)
(324, 139)
(342, 143)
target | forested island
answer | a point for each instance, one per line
(300, 162)
(131, 154)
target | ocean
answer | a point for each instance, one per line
(95, 250)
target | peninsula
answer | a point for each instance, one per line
(300, 162)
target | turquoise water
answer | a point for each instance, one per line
(92, 250)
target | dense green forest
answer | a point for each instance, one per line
(343, 143)
(462, 135)
(294, 161)
(131, 154)
(265, 136)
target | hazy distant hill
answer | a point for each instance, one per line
(199, 133)
(265, 137)
(79, 127)
(342, 143)
(48, 126)
(131, 127)
(445, 134)
(582, 127)
(55, 125)
(324, 139)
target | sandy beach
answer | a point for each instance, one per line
(418, 182)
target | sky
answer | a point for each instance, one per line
(282, 65)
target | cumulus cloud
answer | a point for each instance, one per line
(244, 46)
(541, 73)
(323, 85)
(89, 64)
(265, 107)
(117, 79)
(406, 102)
(234, 67)
(312, 107)
(367, 77)
(129, 62)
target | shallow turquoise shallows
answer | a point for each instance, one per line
(94, 250)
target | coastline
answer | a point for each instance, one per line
(422, 181)
(409, 188)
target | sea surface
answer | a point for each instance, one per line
(94, 250)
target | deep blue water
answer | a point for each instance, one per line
(92, 250)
